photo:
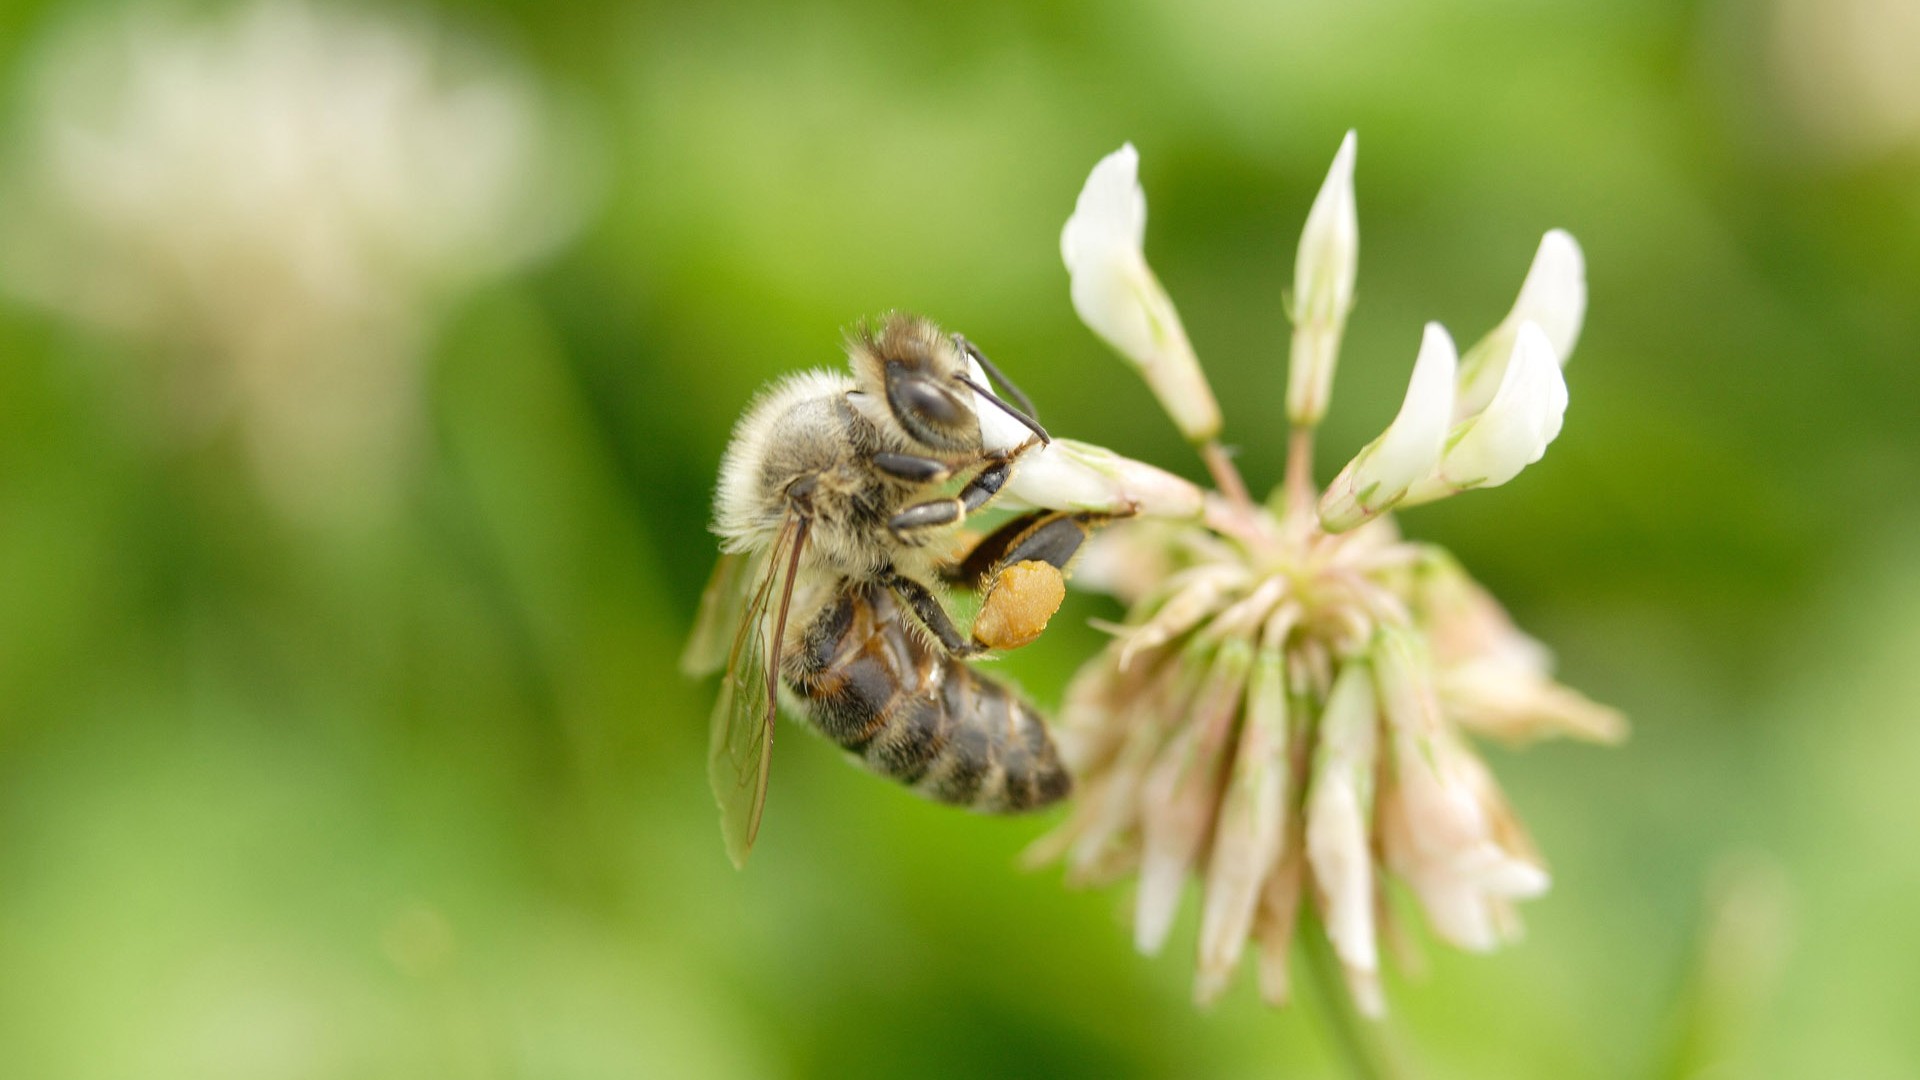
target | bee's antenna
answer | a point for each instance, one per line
(994, 373)
(1031, 424)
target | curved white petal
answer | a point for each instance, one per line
(1103, 247)
(1111, 210)
(1523, 417)
(1555, 292)
(998, 429)
(1116, 295)
(1408, 450)
(1554, 295)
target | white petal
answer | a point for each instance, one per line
(1338, 807)
(1444, 826)
(1051, 477)
(1111, 210)
(1328, 259)
(1408, 450)
(1523, 417)
(1504, 700)
(1555, 292)
(1103, 245)
(1412, 443)
(998, 429)
(1070, 475)
(1323, 275)
(1116, 295)
(1553, 295)
(1250, 828)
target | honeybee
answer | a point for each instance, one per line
(835, 532)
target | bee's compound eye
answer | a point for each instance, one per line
(931, 412)
(929, 401)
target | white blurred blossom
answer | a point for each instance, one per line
(1284, 714)
(278, 200)
(1848, 74)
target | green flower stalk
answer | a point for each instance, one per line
(1286, 712)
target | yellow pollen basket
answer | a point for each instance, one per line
(1019, 603)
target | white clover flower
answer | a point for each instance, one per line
(1408, 451)
(277, 201)
(1512, 432)
(1284, 712)
(1484, 450)
(1117, 296)
(1066, 474)
(1506, 403)
(1844, 75)
(1324, 271)
(1554, 295)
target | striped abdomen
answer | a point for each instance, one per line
(877, 688)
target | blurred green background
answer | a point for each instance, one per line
(424, 797)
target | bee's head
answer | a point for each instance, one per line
(925, 377)
(915, 368)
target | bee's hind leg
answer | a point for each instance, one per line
(1021, 572)
(1052, 537)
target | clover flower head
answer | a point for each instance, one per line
(1286, 712)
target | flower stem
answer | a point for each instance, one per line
(1226, 476)
(1299, 481)
(1353, 1038)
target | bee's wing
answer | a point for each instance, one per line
(740, 745)
(722, 606)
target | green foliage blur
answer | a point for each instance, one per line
(426, 798)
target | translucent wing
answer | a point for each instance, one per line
(740, 745)
(722, 606)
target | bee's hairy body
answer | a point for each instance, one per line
(874, 685)
(868, 652)
(812, 428)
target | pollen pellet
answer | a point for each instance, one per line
(1023, 597)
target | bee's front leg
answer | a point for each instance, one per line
(939, 513)
(914, 467)
(986, 484)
